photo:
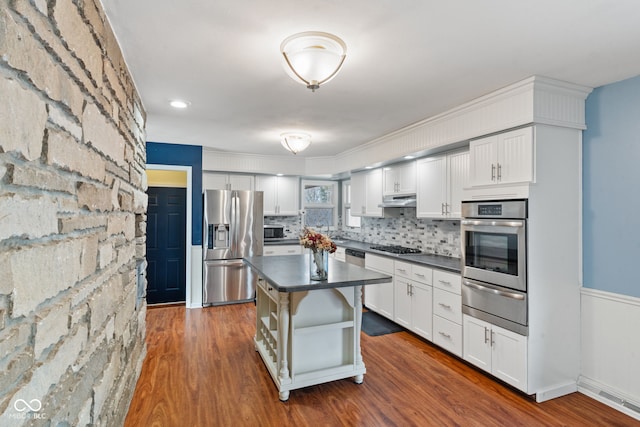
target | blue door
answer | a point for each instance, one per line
(166, 245)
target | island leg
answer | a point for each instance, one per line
(284, 395)
(358, 379)
(283, 341)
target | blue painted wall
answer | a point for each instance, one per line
(183, 155)
(611, 186)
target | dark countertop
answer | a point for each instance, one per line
(430, 260)
(290, 273)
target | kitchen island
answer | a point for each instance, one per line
(308, 332)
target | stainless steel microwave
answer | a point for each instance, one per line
(273, 231)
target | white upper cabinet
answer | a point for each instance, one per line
(358, 193)
(281, 194)
(506, 158)
(440, 182)
(225, 181)
(366, 193)
(399, 179)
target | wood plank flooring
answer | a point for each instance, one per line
(202, 369)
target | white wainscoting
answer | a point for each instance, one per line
(610, 370)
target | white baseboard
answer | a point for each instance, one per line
(558, 391)
(610, 398)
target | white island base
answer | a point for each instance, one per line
(309, 337)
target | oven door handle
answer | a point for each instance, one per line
(492, 223)
(512, 295)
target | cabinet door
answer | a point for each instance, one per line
(399, 179)
(476, 347)
(389, 181)
(288, 195)
(458, 174)
(515, 156)
(358, 193)
(241, 182)
(385, 299)
(483, 157)
(373, 196)
(406, 176)
(268, 185)
(422, 310)
(214, 181)
(402, 302)
(431, 189)
(509, 357)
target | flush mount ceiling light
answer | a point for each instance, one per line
(313, 58)
(295, 141)
(178, 103)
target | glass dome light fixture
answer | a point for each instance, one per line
(313, 58)
(295, 141)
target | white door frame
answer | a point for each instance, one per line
(189, 242)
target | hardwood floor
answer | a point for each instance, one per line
(202, 370)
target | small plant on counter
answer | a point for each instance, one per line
(315, 241)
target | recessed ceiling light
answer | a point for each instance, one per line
(176, 103)
(409, 157)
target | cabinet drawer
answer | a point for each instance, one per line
(447, 335)
(447, 305)
(422, 274)
(282, 250)
(402, 269)
(270, 290)
(378, 263)
(448, 281)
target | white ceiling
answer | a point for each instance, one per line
(407, 60)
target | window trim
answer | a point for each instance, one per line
(333, 205)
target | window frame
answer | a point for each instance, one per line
(333, 205)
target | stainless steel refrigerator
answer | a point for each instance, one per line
(233, 229)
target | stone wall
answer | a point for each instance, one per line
(72, 217)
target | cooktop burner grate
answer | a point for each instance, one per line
(395, 249)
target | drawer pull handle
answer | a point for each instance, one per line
(447, 336)
(444, 282)
(447, 306)
(419, 274)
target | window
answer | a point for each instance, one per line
(349, 220)
(319, 201)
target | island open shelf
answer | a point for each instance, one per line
(308, 332)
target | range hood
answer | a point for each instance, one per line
(406, 201)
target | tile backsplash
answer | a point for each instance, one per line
(440, 237)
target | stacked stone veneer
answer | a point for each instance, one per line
(72, 217)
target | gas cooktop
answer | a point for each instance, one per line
(395, 249)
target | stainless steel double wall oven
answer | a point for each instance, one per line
(494, 262)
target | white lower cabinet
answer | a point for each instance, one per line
(273, 250)
(413, 303)
(339, 254)
(447, 311)
(496, 350)
(379, 298)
